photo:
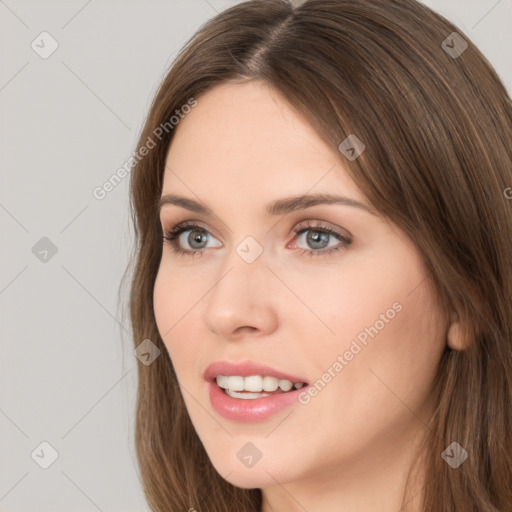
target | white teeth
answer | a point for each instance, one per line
(222, 381)
(255, 384)
(270, 383)
(245, 396)
(285, 385)
(235, 383)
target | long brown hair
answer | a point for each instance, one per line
(437, 127)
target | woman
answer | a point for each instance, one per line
(376, 376)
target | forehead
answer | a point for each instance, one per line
(247, 138)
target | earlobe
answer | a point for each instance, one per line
(454, 336)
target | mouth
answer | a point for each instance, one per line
(255, 386)
(249, 392)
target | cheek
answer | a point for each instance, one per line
(369, 402)
(173, 303)
(163, 304)
(390, 380)
(385, 317)
(356, 294)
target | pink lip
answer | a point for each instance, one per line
(247, 411)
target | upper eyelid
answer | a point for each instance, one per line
(306, 216)
(188, 224)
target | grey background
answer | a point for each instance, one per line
(68, 122)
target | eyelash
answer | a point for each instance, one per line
(170, 238)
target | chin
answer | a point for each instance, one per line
(263, 473)
(251, 478)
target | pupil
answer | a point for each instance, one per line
(195, 238)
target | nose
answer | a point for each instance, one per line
(241, 301)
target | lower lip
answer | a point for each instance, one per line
(250, 410)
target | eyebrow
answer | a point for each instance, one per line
(277, 207)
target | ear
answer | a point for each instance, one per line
(454, 336)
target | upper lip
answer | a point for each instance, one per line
(245, 369)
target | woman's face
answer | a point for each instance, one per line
(349, 313)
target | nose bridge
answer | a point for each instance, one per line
(239, 296)
(244, 266)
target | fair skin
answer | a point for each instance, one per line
(348, 449)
